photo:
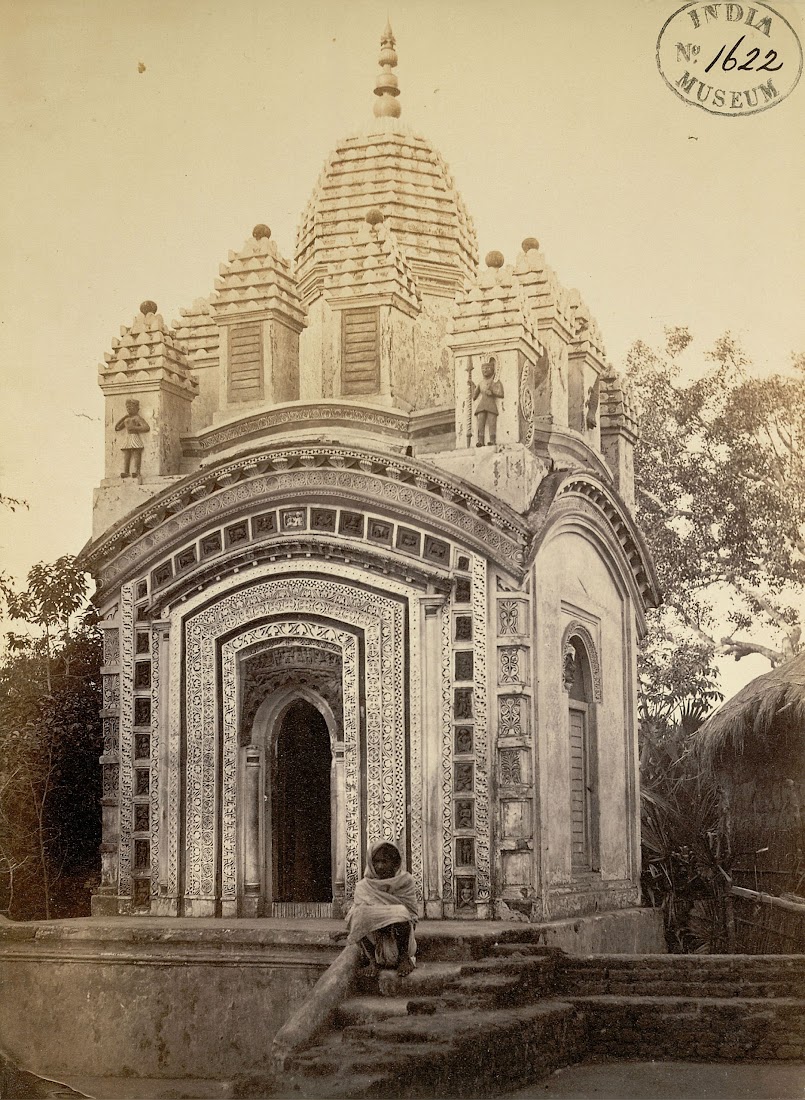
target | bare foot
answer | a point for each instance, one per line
(372, 970)
(405, 967)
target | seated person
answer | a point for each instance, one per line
(384, 911)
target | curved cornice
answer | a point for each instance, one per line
(333, 414)
(316, 473)
(568, 448)
(561, 487)
(336, 476)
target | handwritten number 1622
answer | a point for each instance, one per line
(730, 62)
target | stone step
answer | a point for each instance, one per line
(489, 985)
(450, 1001)
(366, 1008)
(691, 974)
(621, 986)
(692, 967)
(467, 1054)
(510, 963)
(536, 973)
(730, 1005)
(444, 941)
(347, 1055)
(454, 1026)
(507, 949)
(694, 1028)
(429, 977)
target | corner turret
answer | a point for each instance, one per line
(260, 314)
(619, 432)
(148, 387)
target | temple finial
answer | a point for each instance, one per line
(386, 86)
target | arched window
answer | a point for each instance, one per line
(584, 812)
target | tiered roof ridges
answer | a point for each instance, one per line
(588, 335)
(390, 167)
(147, 349)
(257, 279)
(544, 292)
(493, 306)
(527, 293)
(199, 332)
(375, 266)
(618, 409)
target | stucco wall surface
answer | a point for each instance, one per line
(584, 590)
(150, 1006)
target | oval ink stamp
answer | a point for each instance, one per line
(729, 58)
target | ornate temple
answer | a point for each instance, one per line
(367, 569)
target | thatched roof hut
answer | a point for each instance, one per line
(762, 727)
(754, 747)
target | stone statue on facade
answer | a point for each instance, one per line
(132, 446)
(593, 398)
(488, 391)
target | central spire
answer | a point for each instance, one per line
(386, 86)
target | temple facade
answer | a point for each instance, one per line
(367, 570)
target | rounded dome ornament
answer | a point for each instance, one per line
(494, 259)
(374, 216)
(530, 244)
(147, 307)
(261, 232)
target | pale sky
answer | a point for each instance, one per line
(122, 185)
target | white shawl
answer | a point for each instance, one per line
(379, 902)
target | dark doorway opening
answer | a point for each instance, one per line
(301, 818)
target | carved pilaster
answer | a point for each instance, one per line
(104, 900)
(432, 840)
(251, 831)
(515, 887)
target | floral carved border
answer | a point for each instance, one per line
(312, 634)
(126, 736)
(301, 596)
(482, 822)
(156, 739)
(447, 756)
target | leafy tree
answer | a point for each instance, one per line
(720, 484)
(12, 503)
(55, 592)
(720, 481)
(49, 739)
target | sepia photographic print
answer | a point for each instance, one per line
(402, 682)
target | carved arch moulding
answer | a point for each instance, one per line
(346, 642)
(606, 502)
(281, 662)
(599, 513)
(577, 629)
(231, 612)
(415, 492)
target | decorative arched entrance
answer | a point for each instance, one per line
(377, 752)
(301, 805)
(293, 845)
